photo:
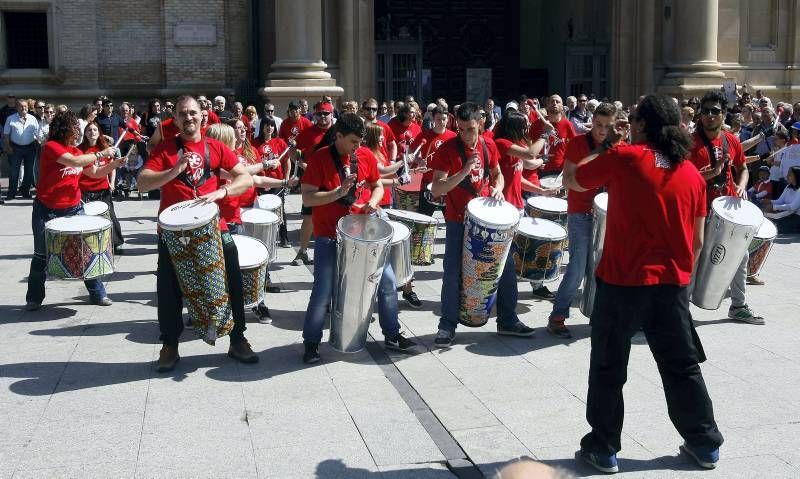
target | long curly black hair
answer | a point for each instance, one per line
(662, 126)
(64, 128)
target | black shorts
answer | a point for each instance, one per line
(305, 210)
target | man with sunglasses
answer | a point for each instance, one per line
(308, 141)
(269, 112)
(580, 116)
(719, 156)
(388, 145)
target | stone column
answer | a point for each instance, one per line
(299, 70)
(357, 48)
(694, 67)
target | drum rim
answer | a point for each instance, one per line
(259, 212)
(432, 221)
(105, 206)
(246, 239)
(341, 233)
(404, 238)
(482, 222)
(187, 226)
(598, 205)
(269, 196)
(731, 220)
(767, 238)
(519, 229)
(106, 225)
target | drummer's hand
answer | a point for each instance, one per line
(741, 192)
(292, 143)
(421, 169)
(272, 164)
(348, 183)
(109, 152)
(292, 182)
(369, 208)
(118, 161)
(496, 193)
(550, 192)
(181, 164)
(215, 195)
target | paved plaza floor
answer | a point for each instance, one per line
(79, 396)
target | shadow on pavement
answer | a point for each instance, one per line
(17, 314)
(336, 468)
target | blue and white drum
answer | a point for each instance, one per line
(538, 249)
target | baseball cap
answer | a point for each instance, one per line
(294, 105)
(323, 106)
(512, 105)
(763, 168)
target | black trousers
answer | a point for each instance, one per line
(663, 312)
(105, 197)
(170, 297)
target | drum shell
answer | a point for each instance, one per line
(407, 199)
(758, 251)
(79, 254)
(423, 237)
(430, 199)
(276, 208)
(528, 251)
(724, 247)
(400, 258)
(267, 233)
(596, 252)
(359, 267)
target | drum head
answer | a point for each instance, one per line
(365, 228)
(542, 229)
(269, 202)
(403, 215)
(401, 231)
(259, 217)
(95, 208)
(552, 182)
(767, 230)
(187, 215)
(252, 252)
(78, 224)
(489, 211)
(737, 211)
(548, 203)
(601, 202)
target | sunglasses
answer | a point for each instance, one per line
(323, 113)
(711, 111)
(270, 111)
(169, 105)
(371, 108)
(39, 106)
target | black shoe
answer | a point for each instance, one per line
(302, 256)
(284, 243)
(517, 329)
(399, 343)
(543, 293)
(444, 338)
(262, 311)
(312, 352)
(27, 196)
(412, 299)
(118, 251)
(242, 352)
(32, 306)
(167, 358)
(272, 289)
(558, 329)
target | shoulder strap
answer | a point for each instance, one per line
(722, 178)
(466, 183)
(350, 197)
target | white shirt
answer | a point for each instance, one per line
(257, 125)
(788, 201)
(789, 157)
(21, 133)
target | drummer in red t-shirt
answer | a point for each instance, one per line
(165, 170)
(308, 141)
(433, 138)
(654, 234)
(719, 175)
(557, 139)
(404, 128)
(57, 195)
(579, 224)
(332, 194)
(294, 123)
(388, 145)
(460, 177)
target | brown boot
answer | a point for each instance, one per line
(167, 359)
(242, 352)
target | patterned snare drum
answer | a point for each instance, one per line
(760, 246)
(271, 203)
(423, 234)
(190, 230)
(489, 227)
(79, 247)
(538, 249)
(548, 208)
(408, 195)
(253, 260)
(262, 225)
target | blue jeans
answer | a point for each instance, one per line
(579, 229)
(322, 293)
(22, 155)
(37, 276)
(451, 283)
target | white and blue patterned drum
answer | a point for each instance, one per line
(489, 227)
(538, 249)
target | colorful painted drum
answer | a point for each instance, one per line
(262, 225)
(400, 253)
(489, 227)
(253, 260)
(271, 203)
(547, 208)
(79, 247)
(190, 230)
(760, 247)
(538, 249)
(423, 234)
(97, 208)
(434, 200)
(408, 195)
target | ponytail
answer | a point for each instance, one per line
(662, 127)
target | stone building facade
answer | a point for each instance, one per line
(290, 48)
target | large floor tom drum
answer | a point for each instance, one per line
(79, 247)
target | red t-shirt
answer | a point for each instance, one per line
(212, 117)
(308, 139)
(388, 137)
(579, 201)
(387, 190)
(699, 156)
(448, 160)
(432, 143)
(168, 129)
(165, 156)
(87, 183)
(291, 128)
(272, 150)
(131, 125)
(651, 211)
(556, 143)
(247, 198)
(488, 134)
(762, 186)
(511, 167)
(403, 134)
(325, 177)
(58, 184)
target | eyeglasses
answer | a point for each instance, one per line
(270, 111)
(711, 111)
(323, 113)
(169, 105)
(371, 108)
(49, 112)
(582, 100)
(39, 106)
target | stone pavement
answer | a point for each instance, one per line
(79, 396)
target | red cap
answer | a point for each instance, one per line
(324, 106)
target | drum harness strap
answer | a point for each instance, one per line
(719, 182)
(466, 183)
(206, 166)
(350, 197)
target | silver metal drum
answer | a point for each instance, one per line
(400, 253)
(600, 212)
(732, 223)
(262, 225)
(362, 251)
